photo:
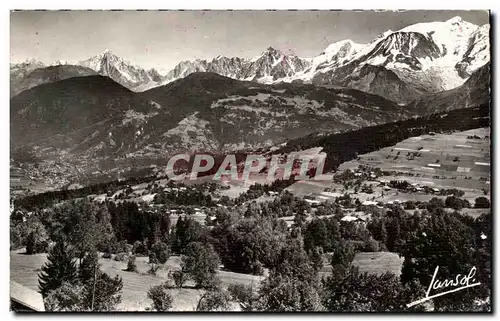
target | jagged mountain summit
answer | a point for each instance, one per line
(121, 71)
(414, 61)
(400, 65)
(270, 66)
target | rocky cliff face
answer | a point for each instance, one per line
(132, 77)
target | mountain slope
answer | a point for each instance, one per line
(478, 52)
(240, 115)
(475, 91)
(20, 70)
(73, 111)
(204, 111)
(346, 146)
(86, 126)
(425, 57)
(47, 75)
(383, 82)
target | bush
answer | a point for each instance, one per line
(131, 266)
(456, 203)
(120, 257)
(66, 298)
(357, 245)
(162, 300)
(371, 245)
(119, 247)
(106, 255)
(482, 202)
(410, 205)
(154, 264)
(37, 240)
(434, 204)
(243, 294)
(162, 252)
(128, 248)
(214, 299)
(422, 206)
(179, 277)
(35, 245)
(139, 248)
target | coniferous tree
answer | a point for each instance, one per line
(316, 256)
(60, 268)
(89, 266)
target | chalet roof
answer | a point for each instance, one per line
(26, 296)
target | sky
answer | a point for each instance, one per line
(160, 39)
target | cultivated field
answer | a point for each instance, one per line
(436, 160)
(373, 263)
(460, 162)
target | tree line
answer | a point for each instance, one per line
(251, 238)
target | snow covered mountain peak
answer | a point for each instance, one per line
(133, 77)
(269, 52)
(453, 24)
(335, 55)
(28, 62)
(32, 61)
(430, 56)
(451, 36)
(23, 68)
(441, 53)
(342, 46)
(420, 58)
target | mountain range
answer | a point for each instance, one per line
(96, 116)
(92, 115)
(398, 65)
